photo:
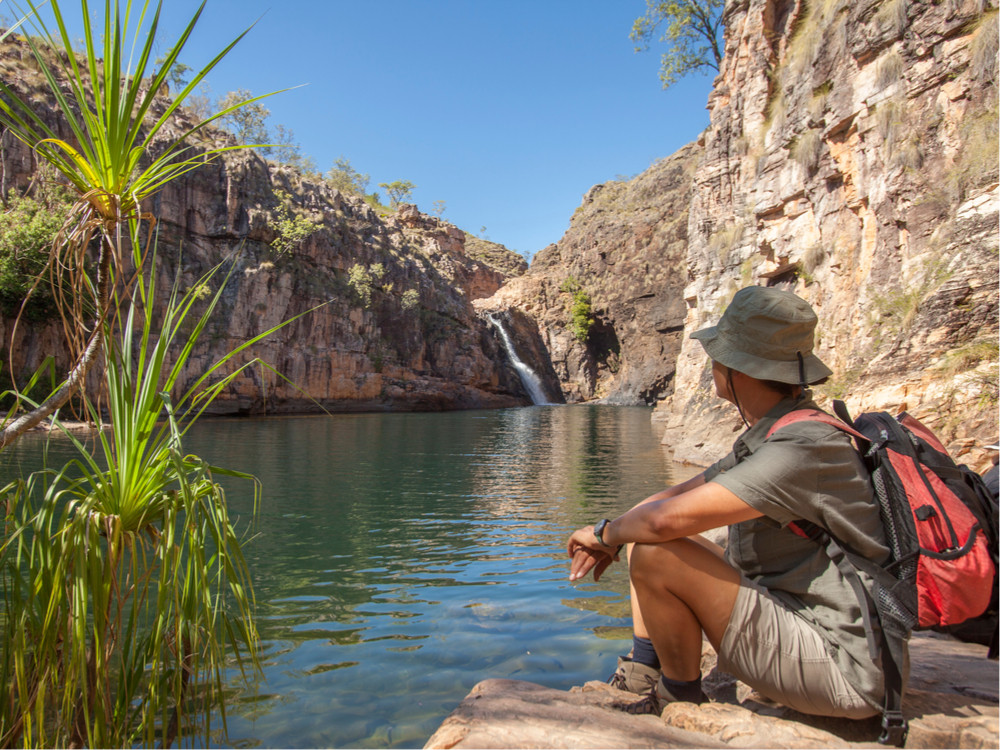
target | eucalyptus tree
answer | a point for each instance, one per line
(345, 178)
(692, 31)
(125, 594)
(398, 191)
(246, 117)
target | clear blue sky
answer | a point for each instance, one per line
(506, 111)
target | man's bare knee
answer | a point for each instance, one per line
(663, 560)
(682, 570)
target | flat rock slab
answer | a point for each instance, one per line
(952, 701)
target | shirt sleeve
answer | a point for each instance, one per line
(724, 464)
(794, 474)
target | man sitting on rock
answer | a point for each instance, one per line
(778, 612)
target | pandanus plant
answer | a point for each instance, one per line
(126, 595)
(120, 152)
(126, 598)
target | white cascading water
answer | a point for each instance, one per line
(532, 383)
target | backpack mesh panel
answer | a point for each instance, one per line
(896, 603)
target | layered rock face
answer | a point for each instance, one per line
(852, 158)
(395, 328)
(382, 304)
(624, 252)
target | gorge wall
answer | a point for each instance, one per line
(624, 250)
(852, 158)
(393, 325)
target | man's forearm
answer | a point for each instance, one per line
(678, 489)
(662, 518)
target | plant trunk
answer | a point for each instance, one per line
(187, 667)
(77, 375)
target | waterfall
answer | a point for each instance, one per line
(532, 383)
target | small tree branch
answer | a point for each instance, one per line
(77, 375)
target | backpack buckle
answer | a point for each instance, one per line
(894, 729)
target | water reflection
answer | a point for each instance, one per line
(399, 559)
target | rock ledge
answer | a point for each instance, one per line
(952, 701)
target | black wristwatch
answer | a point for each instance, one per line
(599, 531)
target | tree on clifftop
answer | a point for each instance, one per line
(693, 33)
(347, 179)
(245, 117)
(398, 191)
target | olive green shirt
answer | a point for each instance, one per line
(807, 471)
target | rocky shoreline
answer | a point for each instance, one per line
(952, 701)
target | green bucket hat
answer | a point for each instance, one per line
(766, 333)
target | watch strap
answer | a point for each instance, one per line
(599, 530)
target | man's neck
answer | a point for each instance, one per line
(757, 399)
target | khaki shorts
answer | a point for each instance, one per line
(779, 655)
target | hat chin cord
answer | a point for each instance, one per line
(805, 393)
(732, 391)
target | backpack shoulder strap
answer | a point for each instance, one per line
(888, 645)
(815, 415)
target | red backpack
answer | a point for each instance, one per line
(940, 524)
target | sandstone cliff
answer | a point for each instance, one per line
(625, 250)
(394, 326)
(852, 157)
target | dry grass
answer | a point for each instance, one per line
(984, 48)
(976, 164)
(807, 148)
(889, 122)
(908, 154)
(812, 258)
(892, 16)
(889, 70)
(725, 240)
(818, 101)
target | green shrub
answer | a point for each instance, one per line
(410, 299)
(580, 315)
(363, 281)
(28, 227)
(292, 229)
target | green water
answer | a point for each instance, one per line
(402, 558)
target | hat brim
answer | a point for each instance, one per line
(758, 367)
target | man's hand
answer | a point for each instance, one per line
(588, 554)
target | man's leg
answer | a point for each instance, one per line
(683, 588)
(638, 625)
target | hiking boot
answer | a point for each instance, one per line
(654, 701)
(634, 677)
